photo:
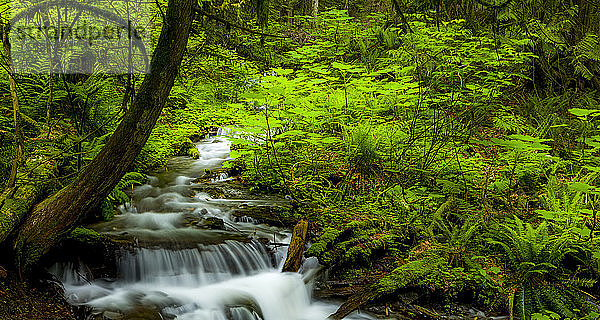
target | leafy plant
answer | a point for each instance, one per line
(540, 281)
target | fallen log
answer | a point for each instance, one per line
(296, 248)
(365, 295)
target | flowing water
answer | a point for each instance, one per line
(190, 272)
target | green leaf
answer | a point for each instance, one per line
(584, 112)
(580, 187)
(283, 72)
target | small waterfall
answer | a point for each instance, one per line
(194, 267)
(186, 270)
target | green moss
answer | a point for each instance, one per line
(167, 141)
(85, 235)
(107, 210)
(188, 149)
(354, 275)
(325, 241)
(15, 206)
(432, 273)
(358, 254)
(409, 273)
(354, 244)
(13, 210)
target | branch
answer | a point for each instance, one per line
(494, 6)
(227, 23)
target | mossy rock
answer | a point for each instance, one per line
(188, 149)
(144, 313)
(84, 235)
(278, 216)
(214, 223)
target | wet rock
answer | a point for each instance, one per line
(269, 214)
(334, 293)
(196, 137)
(111, 315)
(219, 190)
(247, 304)
(188, 238)
(188, 148)
(213, 223)
(264, 241)
(145, 313)
(88, 313)
(213, 131)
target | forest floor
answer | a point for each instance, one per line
(20, 300)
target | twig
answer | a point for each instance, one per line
(227, 23)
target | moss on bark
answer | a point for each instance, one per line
(49, 222)
(16, 202)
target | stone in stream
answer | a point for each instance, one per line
(145, 313)
(183, 239)
(213, 223)
(188, 148)
(278, 216)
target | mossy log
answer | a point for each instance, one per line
(296, 248)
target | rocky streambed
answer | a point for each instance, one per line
(195, 245)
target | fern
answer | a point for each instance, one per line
(118, 196)
(587, 51)
(540, 283)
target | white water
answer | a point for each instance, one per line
(194, 273)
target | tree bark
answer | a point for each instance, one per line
(52, 219)
(360, 298)
(296, 248)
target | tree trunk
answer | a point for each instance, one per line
(296, 248)
(309, 7)
(360, 298)
(52, 219)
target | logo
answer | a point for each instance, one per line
(86, 37)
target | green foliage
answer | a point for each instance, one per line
(540, 282)
(119, 195)
(449, 146)
(427, 135)
(431, 272)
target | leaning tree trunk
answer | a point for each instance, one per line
(52, 219)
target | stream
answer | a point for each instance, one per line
(191, 258)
